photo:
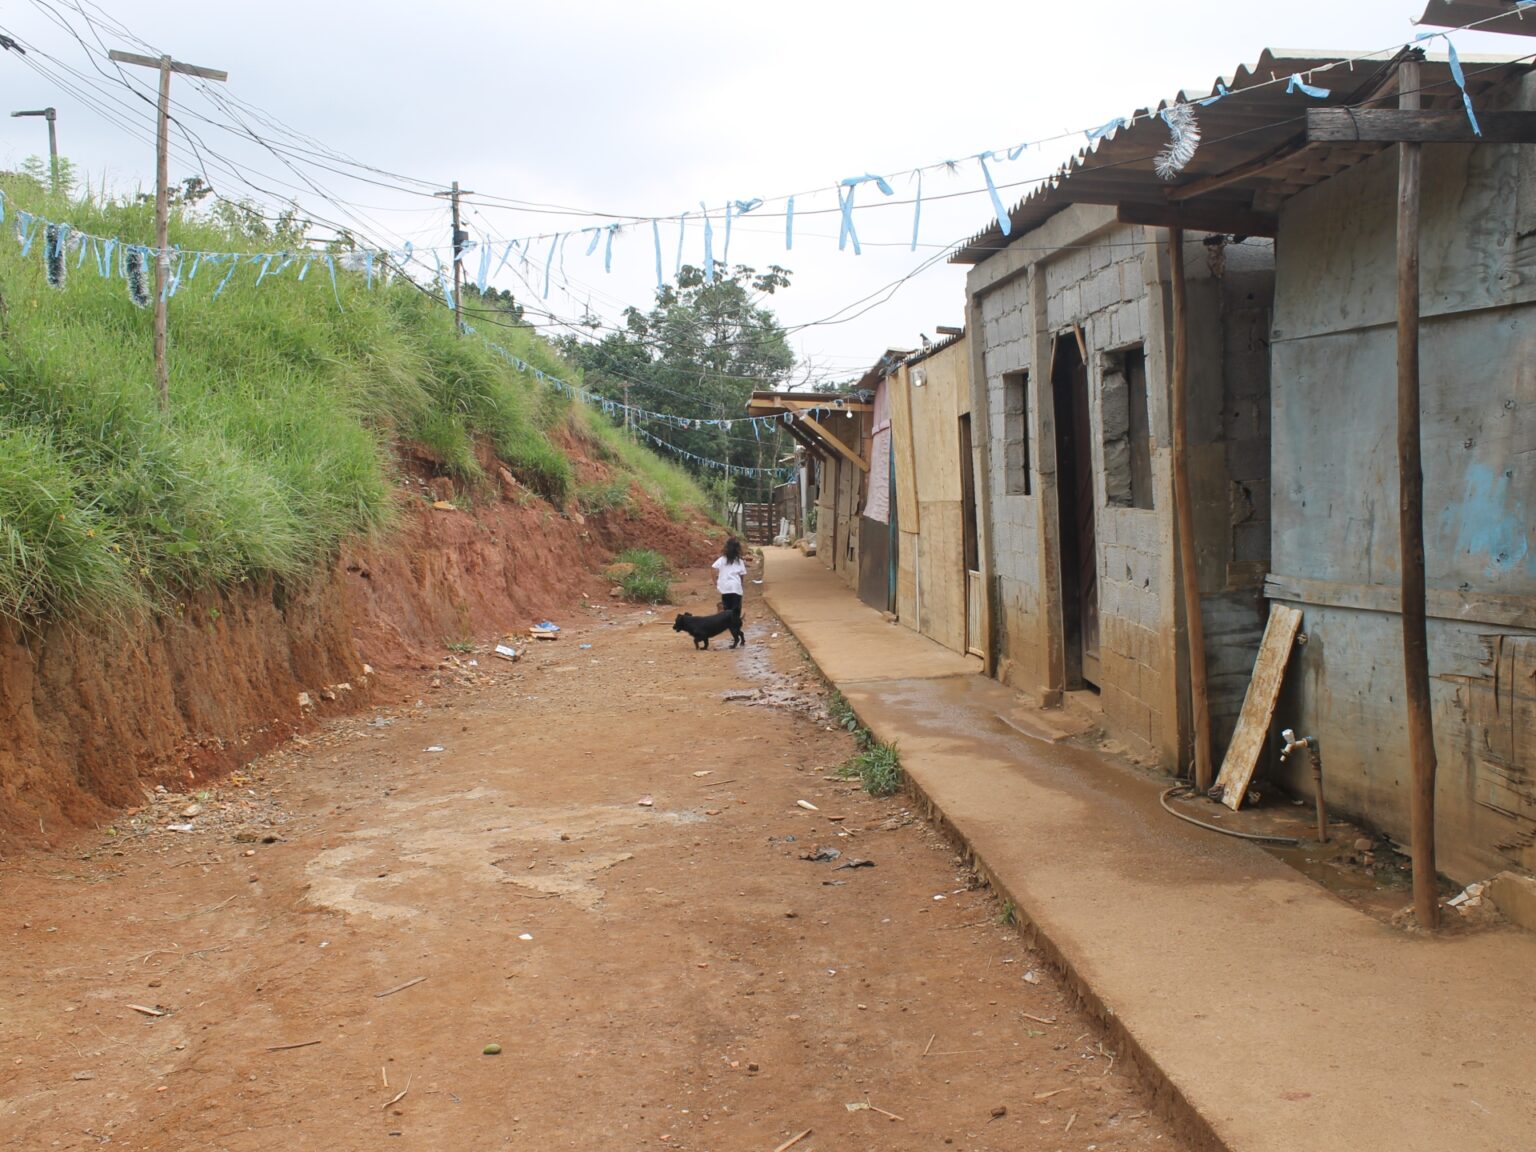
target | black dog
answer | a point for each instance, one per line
(703, 628)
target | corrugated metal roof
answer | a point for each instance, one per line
(1253, 152)
(882, 368)
(934, 349)
(1459, 13)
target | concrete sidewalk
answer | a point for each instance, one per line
(1276, 1016)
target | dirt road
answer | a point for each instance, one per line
(601, 872)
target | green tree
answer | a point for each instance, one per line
(37, 167)
(698, 354)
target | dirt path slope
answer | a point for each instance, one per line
(668, 974)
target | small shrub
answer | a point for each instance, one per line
(593, 499)
(646, 588)
(644, 561)
(878, 768)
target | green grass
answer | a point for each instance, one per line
(604, 496)
(878, 768)
(847, 719)
(278, 442)
(650, 580)
(643, 589)
(666, 483)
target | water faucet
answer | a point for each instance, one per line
(1310, 744)
(1292, 744)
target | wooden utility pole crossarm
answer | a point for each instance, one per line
(166, 67)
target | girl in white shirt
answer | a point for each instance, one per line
(729, 569)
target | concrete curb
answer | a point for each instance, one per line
(1171, 1103)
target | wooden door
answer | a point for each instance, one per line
(971, 545)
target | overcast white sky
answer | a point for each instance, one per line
(649, 108)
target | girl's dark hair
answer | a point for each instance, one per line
(732, 551)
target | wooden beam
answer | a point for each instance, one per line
(788, 404)
(1287, 151)
(1410, 476)
(1184, 515)
(1404, 125)
(173, 66)
(1500, 609)
(809, 443)
(834, 443)
(1200, 218)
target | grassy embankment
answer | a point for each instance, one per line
(277, 443)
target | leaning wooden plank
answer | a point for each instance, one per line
(1243, 753)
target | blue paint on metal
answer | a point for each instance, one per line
(1490, 522)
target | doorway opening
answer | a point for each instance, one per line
(1076, 507)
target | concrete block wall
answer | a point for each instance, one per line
(1015, 563)
(1111, 281)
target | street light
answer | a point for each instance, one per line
(52, 116)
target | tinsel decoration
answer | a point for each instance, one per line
(138, 278)
(1184, 139)
(55, 238)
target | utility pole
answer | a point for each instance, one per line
(460, 239)
(1410, 475)
(166, 67)
(52, 116)
(627, 431)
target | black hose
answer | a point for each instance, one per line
(1185, 788)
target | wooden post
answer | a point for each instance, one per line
(460, 239)
(166, 66)
(1421, 730)
(162, 230)
(1184, 517)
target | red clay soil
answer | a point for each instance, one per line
(90, 718)
(593, 860)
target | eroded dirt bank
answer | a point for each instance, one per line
(90, 717)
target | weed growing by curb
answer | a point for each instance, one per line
(846, 718)
(878, 768)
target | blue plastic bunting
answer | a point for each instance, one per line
(1003, 221)
(846, 231)
(789, 225)
(917, 209)
(1221, 90)
(234, 263)
(1297, 84)
(1457, 75)
(330, 262)
(1106, 128)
